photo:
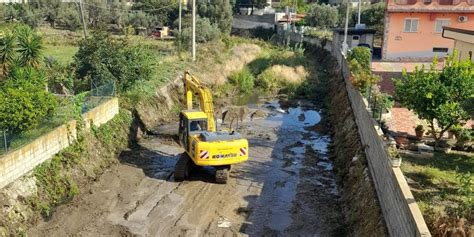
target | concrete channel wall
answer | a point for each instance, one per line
(399, 208)
(19, 162)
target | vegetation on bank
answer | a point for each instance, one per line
(443, 186)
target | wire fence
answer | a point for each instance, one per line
(69, 108)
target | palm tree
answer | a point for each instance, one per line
(7, 50)
(30, 47)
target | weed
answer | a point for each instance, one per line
(243, 79)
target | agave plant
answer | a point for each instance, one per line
(7, 50)
(30, 47)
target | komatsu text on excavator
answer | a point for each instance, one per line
(204, 146)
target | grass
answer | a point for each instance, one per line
(442, 185)
(62, 53)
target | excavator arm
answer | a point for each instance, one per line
(192, 86)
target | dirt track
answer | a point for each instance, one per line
(285, 189)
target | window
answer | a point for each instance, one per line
(440, 23)
(198, 126)
(440, 50)
(411, 25)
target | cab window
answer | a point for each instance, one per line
(198, 126)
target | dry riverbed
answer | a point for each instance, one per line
(287, 188)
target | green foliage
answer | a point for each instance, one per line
(437, 96)
(321, 16)
(103, 59)
(24, 102)
(68, 16)
(21, 47)
(164, 13)
(251, 3)
(7, 50)
(243, 79)
(219, 12)
(362, 55)
(207, 32)
(362, 78)
(372, 15)
(30, 47)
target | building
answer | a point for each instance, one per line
(355, 37)
(413, 28)
(463, 41)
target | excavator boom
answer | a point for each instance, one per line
(193, 86)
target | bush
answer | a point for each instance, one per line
(243, 79)
(103, 59)
(362, 55)
(362, 79)
(24, 102)
(267, 80)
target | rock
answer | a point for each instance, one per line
(224, 223)
(258, 114)
(424, 148)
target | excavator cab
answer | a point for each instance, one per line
(191, 123)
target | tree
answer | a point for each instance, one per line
(371, 15)
(23, 101)
(207, 31)
(68, 17)
(219, 12)
(30, 47)
(21, 46)
(164, 12)
(104, 59)
(438, 96)
(321, 16)
(251, 3)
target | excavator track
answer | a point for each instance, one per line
(222, 174)
(182, 168)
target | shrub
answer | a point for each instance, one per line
(361, 77)
(362, 55)
(267, 80)
(24, 102)
(243, 79)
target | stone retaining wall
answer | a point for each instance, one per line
(22, 160)
(399, 208)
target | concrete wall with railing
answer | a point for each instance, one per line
(399, 209)
(19, 162)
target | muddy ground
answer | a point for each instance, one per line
(287, 188)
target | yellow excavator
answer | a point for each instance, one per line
(203, 145)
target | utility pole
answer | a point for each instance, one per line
(179, 27)
(344, 44)
(358, 15)
(84, 26)
(194, 30)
